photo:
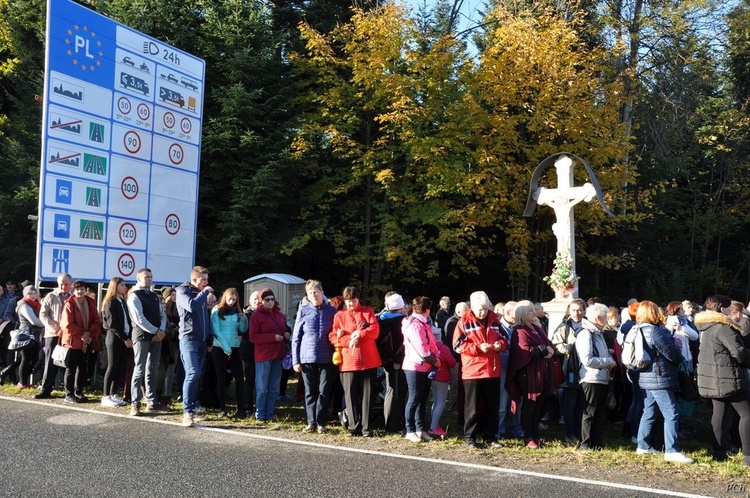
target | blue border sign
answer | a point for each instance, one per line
(120, 151)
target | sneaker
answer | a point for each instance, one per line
(471, 444)
(439, 432)
(543, 426)
(82, 398)
(634, 440)
(240, 415)
(72, 399)
(413, 437)
(309, 428)
(531, 444)
(424, 436)
(187, 420)
(572, 440)
(108, 401)
(647, 451)
(135, 410)
(677, 457)
(561, 421)
(494, 443)
(322, 430)
(222, 414)
(200, 409)
(43, 395)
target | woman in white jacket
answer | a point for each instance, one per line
(596, 364)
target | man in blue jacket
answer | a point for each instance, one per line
(195, 334)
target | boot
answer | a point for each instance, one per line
(8, 372)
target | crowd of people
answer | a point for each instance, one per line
(503, 368)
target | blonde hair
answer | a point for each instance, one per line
(520, 310)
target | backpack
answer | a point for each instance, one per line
(635, 354)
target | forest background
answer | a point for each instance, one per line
(369, 144)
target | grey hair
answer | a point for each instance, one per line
(597, 310)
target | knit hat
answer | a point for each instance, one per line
(25, 283)
(28, 289)
(265, 292)
(394, 302)
(166, 292)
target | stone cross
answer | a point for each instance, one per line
(562, 199)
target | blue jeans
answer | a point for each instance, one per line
(416, 403)
(635, 412)
(267, 382)
(146, 363)
(667, 404)
(504, 411)
(193, 355)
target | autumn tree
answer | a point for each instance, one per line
(545, 91)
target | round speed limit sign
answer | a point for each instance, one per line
(172, 224)
(126, 264)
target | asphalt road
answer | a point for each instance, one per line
(58, 451)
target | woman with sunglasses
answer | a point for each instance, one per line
(268, 332)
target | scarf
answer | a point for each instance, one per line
(36, 305)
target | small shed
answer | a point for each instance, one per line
(288, 289)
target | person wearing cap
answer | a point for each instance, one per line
(195, 334)
(24, 340)
(268, 332)
(81, 329)
(355, 330)
(312, 354)
(50, 314)
(9, 311)
(390, 344)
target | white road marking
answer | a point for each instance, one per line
(452, 463)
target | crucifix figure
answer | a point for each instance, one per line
(562, 199)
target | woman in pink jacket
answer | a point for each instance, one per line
(355, 329)
(421, 355)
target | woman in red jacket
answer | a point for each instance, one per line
(81, 329)
(268, 332)
(355, 329)
(479, 340)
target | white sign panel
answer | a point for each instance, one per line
(121, 151)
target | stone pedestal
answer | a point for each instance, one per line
(555, 311)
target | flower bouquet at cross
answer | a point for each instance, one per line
(563, 278)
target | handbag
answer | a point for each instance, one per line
(337, 359)
(557, 370)
(60, 356)
(20, 338)
(286, 363)
(688, 389)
